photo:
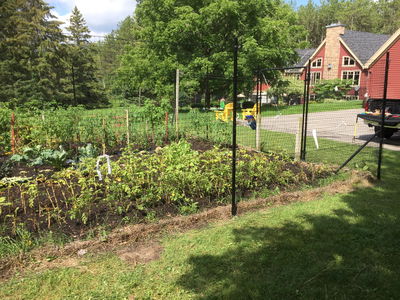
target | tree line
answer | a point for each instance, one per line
(375, 16)
(42, 66)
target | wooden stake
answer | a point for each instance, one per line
(297, 148)
(258, 131)
(104, 136)
(127, 127)
(13, 133)
(166, 127)
(177, 102)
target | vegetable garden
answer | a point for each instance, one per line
(51, 182)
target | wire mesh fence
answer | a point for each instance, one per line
(333, 131)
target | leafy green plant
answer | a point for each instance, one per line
(88, 151)
(38, 156)
(142, 183)
(334, 88)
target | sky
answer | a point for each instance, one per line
(102, 16)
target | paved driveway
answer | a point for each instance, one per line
(334, 125)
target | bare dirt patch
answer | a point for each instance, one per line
(142, 253)
(139, 243)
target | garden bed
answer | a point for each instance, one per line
(144, 186)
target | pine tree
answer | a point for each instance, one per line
(31, 62)
(86, 88)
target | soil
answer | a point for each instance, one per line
(139, 243)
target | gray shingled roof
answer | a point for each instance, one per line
(364, 44)
(304, 55)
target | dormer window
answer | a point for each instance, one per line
(348, 61)
(317, 63)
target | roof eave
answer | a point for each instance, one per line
(315, 52)
(378, 54)
(351, 52)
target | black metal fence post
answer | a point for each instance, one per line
(305, 112)
(382, 132)
(235, 92)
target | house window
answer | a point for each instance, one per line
(315, 77)
(348, 61)
(317, 63)
(352, 75)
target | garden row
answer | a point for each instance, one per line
(142, 185)
(144, 127)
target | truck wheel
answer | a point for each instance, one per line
(387, 132)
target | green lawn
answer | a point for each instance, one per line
(331, 152)
(272, 110)
(341, 247)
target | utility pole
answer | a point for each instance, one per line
(177, 102)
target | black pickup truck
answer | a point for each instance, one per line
(373, 117)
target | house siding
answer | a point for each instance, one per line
(357, 67)
(319, 54)
(376, 76)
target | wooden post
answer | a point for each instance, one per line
(13, 133)
(258, 113)
(104, 136)
(258, 130)
(297, 147)
(127, 127)
(177, 102)
(166, 126)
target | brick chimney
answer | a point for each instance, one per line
(332, 50)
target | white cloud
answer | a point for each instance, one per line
(101, 16)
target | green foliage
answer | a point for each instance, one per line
(40, 69)
(31, 46)
(361, 15)
(334, 88)
(189, 36)
(175, 176)
(38, 156)
(109, 52)
(287, 88)
(86, 89)
(5, 128)
(88, 151)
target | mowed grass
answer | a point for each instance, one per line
(330, 152)
(273, 110)
(341, 247)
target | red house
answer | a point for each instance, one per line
(358, 56)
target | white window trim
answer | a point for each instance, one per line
(315, 60)
(353, 71)
(349, 57)
(313, 81)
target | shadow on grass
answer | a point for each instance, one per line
(352, 253)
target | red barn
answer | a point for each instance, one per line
(357, 56)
